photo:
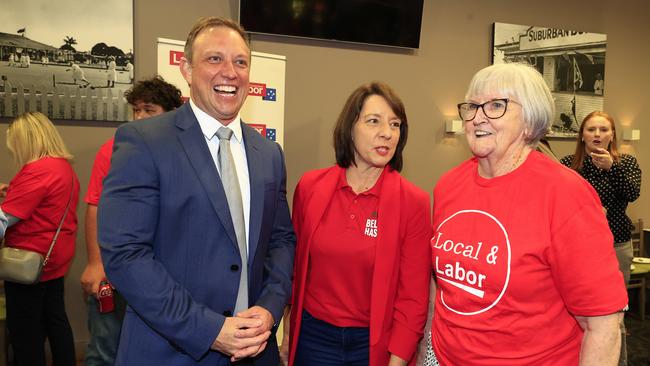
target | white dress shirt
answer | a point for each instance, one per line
(209, 127)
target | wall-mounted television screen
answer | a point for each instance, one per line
(382, 22)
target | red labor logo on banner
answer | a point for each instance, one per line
(471, 257)
(259, 128)
(257, 89)
(261, 90)
(175, 57)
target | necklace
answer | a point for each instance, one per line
(520, 158)
(517, 161)
(486, 170)
(366, 183)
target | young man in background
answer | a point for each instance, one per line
(148, 98)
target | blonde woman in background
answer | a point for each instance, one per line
(617, 179)
(33, 204)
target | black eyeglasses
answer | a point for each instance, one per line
(492, 109)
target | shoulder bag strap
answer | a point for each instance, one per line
(65, 213)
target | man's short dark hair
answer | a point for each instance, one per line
(155, 91)
(343, 144)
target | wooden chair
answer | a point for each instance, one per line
(639, 280)
(638, 247)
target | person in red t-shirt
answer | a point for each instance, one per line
(148, 98)
(44, 191)
(362, 271)
(522, 252)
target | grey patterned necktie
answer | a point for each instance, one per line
(233, 195)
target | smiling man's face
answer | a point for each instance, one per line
(219, 72)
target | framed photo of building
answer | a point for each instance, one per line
(572, 63)
(69, 59)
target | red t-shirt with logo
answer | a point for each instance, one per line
(342, 257)
(38, 195)
(100, 169)
(516, 258)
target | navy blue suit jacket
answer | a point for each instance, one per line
(168, 243)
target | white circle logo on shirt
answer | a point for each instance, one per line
(471, 258)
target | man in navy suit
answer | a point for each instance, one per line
(167, 238)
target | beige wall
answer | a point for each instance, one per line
(455, 43)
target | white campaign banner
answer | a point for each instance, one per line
(264, 106)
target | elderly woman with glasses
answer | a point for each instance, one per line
(522, 253)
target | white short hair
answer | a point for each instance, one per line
(525, 85)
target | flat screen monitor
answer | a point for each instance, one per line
(394, 23)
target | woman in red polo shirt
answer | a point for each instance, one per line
(34, 203)
(362, 268)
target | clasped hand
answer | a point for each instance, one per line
(245, 334)
(602, 159)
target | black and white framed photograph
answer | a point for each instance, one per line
(69, 59)
(572, 63)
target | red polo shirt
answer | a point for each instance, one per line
(342, 257)
(100, 169)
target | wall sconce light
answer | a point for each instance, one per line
(631, 135)
(454, 126)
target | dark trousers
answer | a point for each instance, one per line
(321, 343)
(34, 313)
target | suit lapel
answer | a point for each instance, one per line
(193, 142)
(255, 161)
